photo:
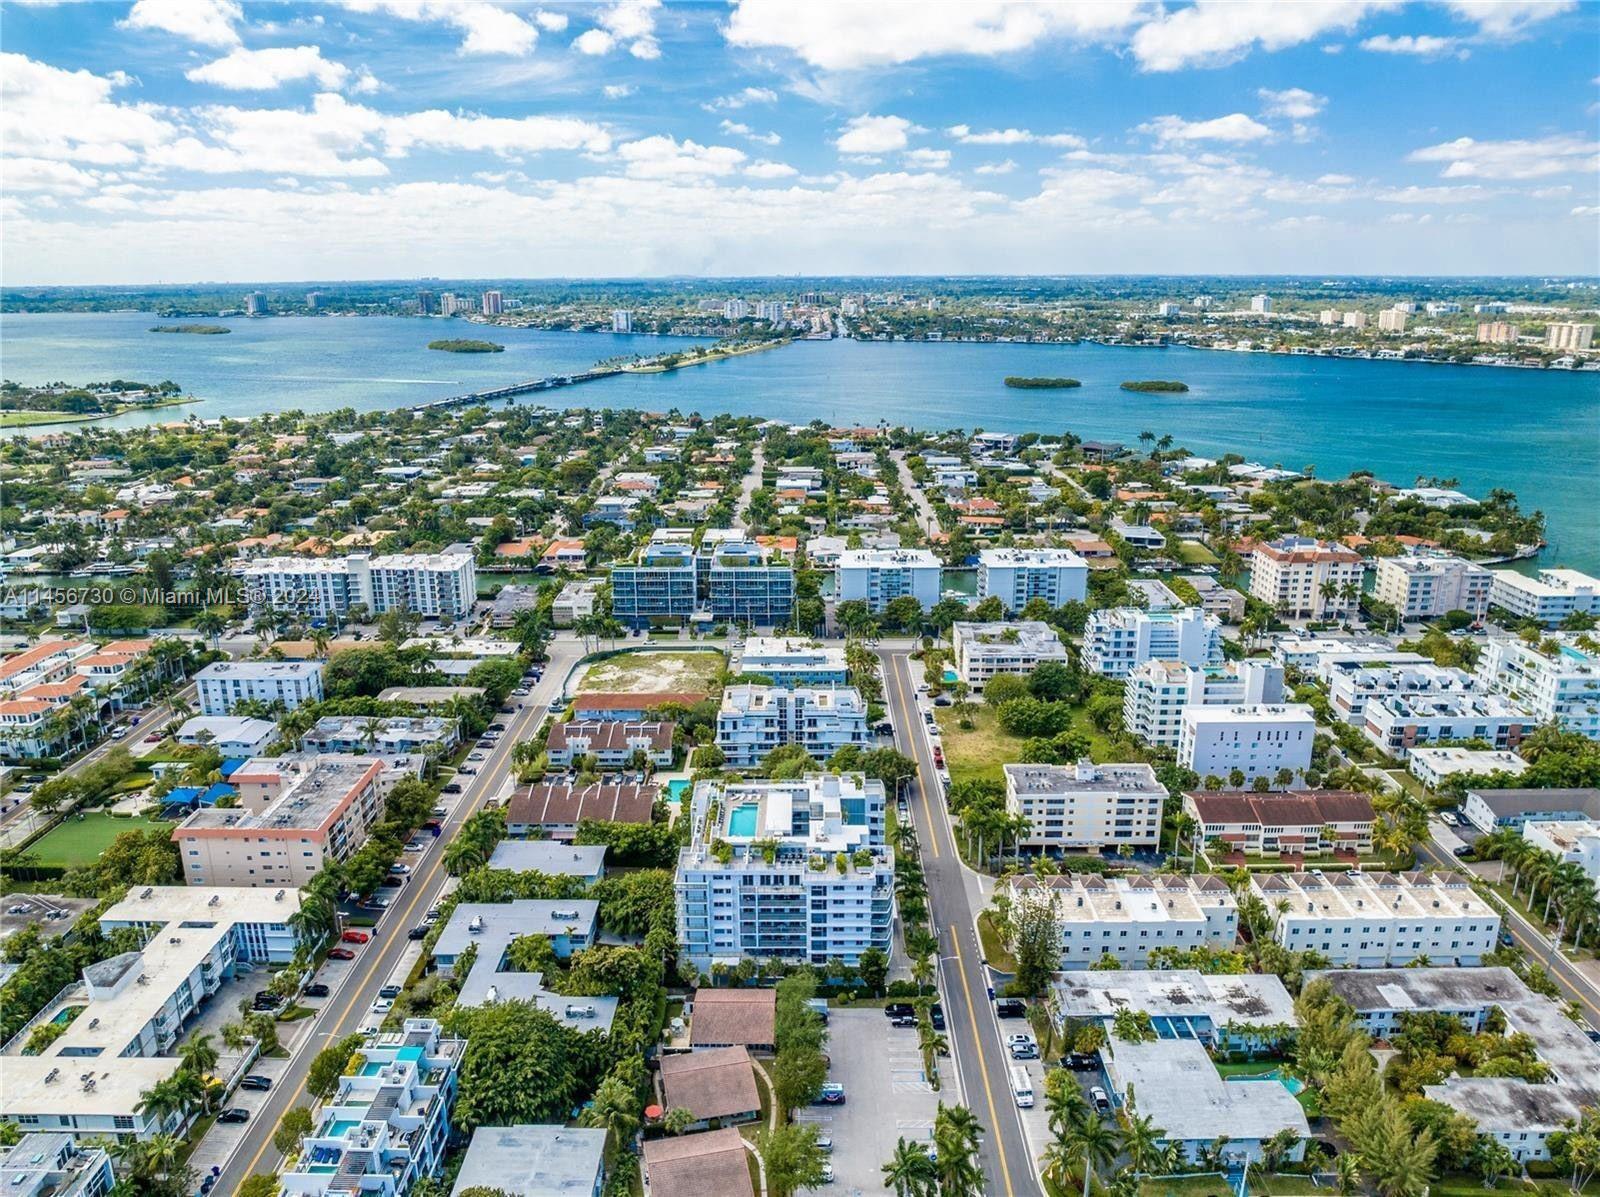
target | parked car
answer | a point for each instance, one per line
(898, 1009)
(316, 990)
(417, 933)
(1507, 940)
(450, 788)
(1022, 1047)
(341, 954)
(1465, 852)
(1101, 1101)
(1010, 1008)
(1083, 1061)
(825, 1144)
(389, 991)
(827, 1172)
(256, 1082)
(354, 937)
(936, 1016)
(832, 1094)
(236, 1114)
(468, 770)
(401, 869)
(383, 1005)
(903, 1020)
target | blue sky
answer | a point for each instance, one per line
(187, 140)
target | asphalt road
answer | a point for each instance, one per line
(346, 1007)
(979, 1049)
(1532, 940)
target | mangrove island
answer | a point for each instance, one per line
(1041, 384)
(466, 346)
(1157, 385)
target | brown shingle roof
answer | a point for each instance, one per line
(739, 1016)
(610, 735)
(1286, 808)
(718, 1083)
(562, 802)
(711, 1163)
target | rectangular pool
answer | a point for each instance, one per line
(742, 820)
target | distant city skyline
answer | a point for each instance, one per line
(185, 140)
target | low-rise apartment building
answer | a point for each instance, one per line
(555, 808)
(879, 576)
(1571, 842)
(535, 1160)
(50, 1164)
(1127, 918)
(1514, 1113)
(612, 743)
(1213, 1010)
(1434, 766)
(576, 601)
(1298, 575)
(790, 661)
(1549, 597)
(1016, 576)
(1561, 686)
(1397, 725)
(1085, 805)
(1117, 640)
(388, 1125)
(744, 585)
(753, 720)
(1376, 920)
(1426, 587)
(1353, 684)
(984, 650)
(133, 1009)
(222, 685)
(1488, 810)
(385, 737)
(1287, 823)
(794, 870)
(1256, 740)
(296, 815)
(1216, 599)
(1156, 693)
(230, 735)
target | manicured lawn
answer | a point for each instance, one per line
(993, 950)
(1191, 553)
(1186, 1186)
(655, 672)
(978, 753)
(76, 842)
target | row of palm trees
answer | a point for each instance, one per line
(950, 1169)
(1566, 891)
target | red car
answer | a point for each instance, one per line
(341, 954)
(355, 937)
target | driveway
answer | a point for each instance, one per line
(887, 1097)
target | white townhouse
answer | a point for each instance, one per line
(984, 650)
(753, 720)
(806, 874)
(879, 576)
(1426, 587)
(1352, 684)
(1014, 576)
(1256, 739)
(1557, 687)
(1086, 805)
(1129, 917)
(1117, 640)
(1548, 598)
(1298, 575)
(1376, 920)
(1156, 693)
(1397, 725)
(224, 684)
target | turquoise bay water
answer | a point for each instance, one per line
(1534, 432)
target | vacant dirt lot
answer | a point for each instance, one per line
(655, 672)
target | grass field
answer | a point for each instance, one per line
(1191, 553)
(978, 753)
(639, 673)
(76, 842)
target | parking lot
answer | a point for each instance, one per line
(887, 1096)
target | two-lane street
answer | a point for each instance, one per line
(344, 1010)
(979, 1048)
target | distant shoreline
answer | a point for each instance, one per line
(701, 359)
(37, 419)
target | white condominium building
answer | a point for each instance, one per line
(806, 874)
(1014, 576)
(1119, 639)
(879, 576)
(1353, 684)
(1086, 805)
(132, 1009)
(296, 815)
(986, 649)
(1297, 575)
(1548, 598)
(1397, 725)
(224, 684)
(1257, 740)
(1576, 842)
(1129, 917)
(1155, 694)
(791, 660)
(753, 720)
(1374, 920)
(438, 585)
(1427, 587)
(1561, 687)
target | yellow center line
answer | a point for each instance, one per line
(372, 971)
(927, 807)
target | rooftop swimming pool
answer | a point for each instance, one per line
(742, 820)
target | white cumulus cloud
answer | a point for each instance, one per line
(927, 159)
(874, 134)
(208, 22)
(46, 112)
(664, 157)
(263, 70)
(1421, 45)
(627, 22)
(1294, 103)
(1235, 127)
(1559, 154)
(740, 99)
(487, 28)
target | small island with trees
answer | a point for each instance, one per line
(464, 345)
(197, 330)
(1041, 384)
(1156, 385)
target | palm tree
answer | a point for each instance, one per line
(1064, 1101)
(199, 1054)
(160, 1101)
(1094, 1142)
(910, 1172)
(1140, 1141)
(1347, 1172)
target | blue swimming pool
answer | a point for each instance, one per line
(742, 820)
(1291, 1083)
(677, 788)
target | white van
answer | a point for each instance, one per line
(1021, 1087)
